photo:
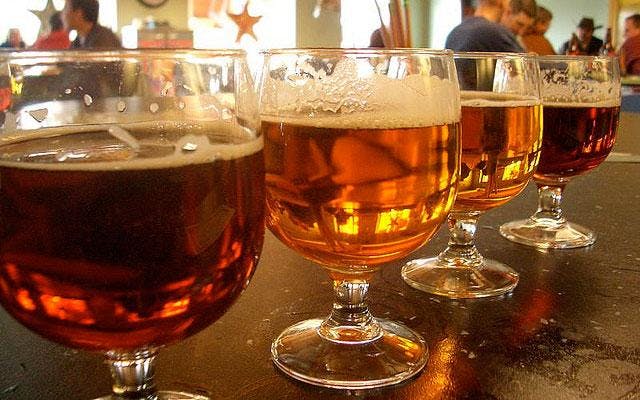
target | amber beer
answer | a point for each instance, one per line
(577, 138)
(501, 139)
(118, 249)
(357, 192)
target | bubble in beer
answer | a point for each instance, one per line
(181, 105)
(39, 114)
(62, 157)
(88, 100)
(165, 90)
(154, 107)
(187, 89)
(121, 106)
(188, 147)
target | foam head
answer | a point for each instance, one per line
(357, 91)
(145, 145)
(584, 82)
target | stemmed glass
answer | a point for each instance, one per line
(501, 138)
(581, 97)
(131, 199)
(362, 155)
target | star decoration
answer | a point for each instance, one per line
(245, 23)
(44, 15)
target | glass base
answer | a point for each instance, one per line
(548, 234)
(303, 354)
(458, 280)
(163, 395)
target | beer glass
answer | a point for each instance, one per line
(362, 158)
(581, 97)
(501, 139)
(132, 199)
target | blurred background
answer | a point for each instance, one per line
(290, 23)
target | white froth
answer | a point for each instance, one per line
(491, 99)
(356, 121)
(201, 150)
(565, 89)
(600, 104)
(355, 96)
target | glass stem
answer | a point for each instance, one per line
(462, 234)
(549, 199)
(132, 374)
(350, 320)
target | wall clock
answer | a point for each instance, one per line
(153, 3)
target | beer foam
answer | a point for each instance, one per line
(491, 99)
(600, 104)
(353, 95)
(194, 147)
(355, 121)
(560, 87)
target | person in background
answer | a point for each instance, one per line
(630, 49)
(82, 15)
(58, 37)
(493, 26)
(518, 15)
(587, 43)
(14, 40)
(534, 40)
(468, 8)
(375, 40)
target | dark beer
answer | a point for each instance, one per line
(125, 245)
(576, 139)
(351, 195)
(501, 139)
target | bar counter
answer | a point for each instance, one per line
(570, 330)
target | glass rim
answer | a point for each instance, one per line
(568, 58)
(489, 54)
(374, 51)
(35, 56)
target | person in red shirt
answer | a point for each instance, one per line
(630, 49)
(57, 39)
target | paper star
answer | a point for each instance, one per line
(245, 22)
(44, 15)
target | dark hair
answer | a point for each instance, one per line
(635, 18)
(528, 7)
(89, 9)
(543, 15)
(55, 21)
(493, 3)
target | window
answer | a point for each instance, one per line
(18, 16)
(21, 15)
(446, 15)
(212, 27)
(359, 19)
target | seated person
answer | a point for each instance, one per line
(587, 43)
(14, 40)
(82, 15)
(493, 27)
(57, 39)
(630, 49)
(534, 40)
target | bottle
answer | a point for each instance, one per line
(607, 48)
(574, 46)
